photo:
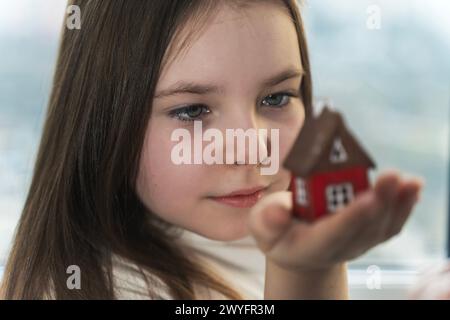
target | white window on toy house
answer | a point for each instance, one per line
(302, 196)
(338, 195)
(338, 153)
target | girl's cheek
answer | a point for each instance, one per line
(160, 180)
(163, 188)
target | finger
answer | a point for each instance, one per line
(387, 188)
(369, 208)
(363, 223)
(366, 207)
(337, 233)
(407, 199)
(349, 219)
(393, 216)
(270, 218)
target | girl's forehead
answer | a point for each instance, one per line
(256, 44)
(227, 18)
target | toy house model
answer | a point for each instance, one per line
(328, 166)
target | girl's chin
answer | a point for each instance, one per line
(222, 234)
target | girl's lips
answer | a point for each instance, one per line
(241, 199)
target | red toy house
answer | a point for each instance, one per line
(328, 165)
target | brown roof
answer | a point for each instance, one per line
(311, 152)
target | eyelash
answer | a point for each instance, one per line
(177, 113)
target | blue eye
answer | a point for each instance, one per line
(190, 113)
(278, 99)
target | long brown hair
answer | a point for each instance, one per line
(81, 207)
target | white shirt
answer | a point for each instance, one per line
(240, 263)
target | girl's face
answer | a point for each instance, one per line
(237, 53)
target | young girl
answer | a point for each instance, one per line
(107, 200)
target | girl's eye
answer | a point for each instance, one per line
(198, 111)
(278, 100)
(190, 113)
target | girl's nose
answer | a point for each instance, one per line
(246, 140)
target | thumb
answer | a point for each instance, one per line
(270, 218)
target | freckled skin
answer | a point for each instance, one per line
(239, 52)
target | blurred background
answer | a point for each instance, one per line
(392, 81)
(385, 64)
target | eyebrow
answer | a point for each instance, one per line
(202, 89)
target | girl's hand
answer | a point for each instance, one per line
(372, 218)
